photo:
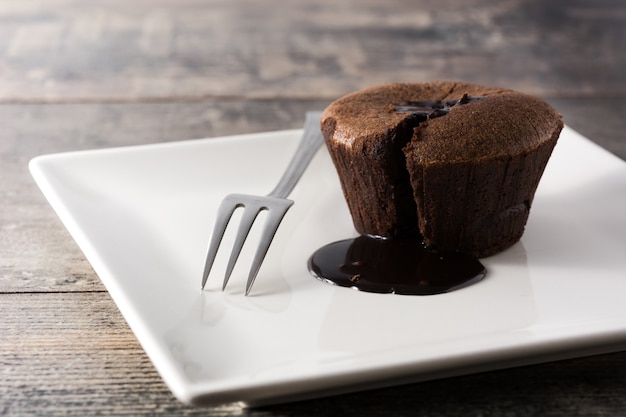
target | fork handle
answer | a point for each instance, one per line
(311, 140)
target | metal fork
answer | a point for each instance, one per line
(276, 203)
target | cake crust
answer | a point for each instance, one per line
(464, 181)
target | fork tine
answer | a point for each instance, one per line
(249, 215)
(276, 202)
(224, 214)
(276, 215)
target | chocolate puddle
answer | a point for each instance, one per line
(399, 266)
(429, 109)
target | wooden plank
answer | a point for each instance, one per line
(73, 354)
(72, 51)
(599, 119)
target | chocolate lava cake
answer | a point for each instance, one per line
(452, 163)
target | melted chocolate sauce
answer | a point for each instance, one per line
(429, 109)
(400, 266)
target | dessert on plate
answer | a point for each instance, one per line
(453, 164)
(436, 175)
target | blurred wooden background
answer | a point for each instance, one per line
(101, 73)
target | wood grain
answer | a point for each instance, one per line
(103, 50)
(73, 354)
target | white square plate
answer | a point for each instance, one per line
(143, 215)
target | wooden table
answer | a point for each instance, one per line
(84, 75)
